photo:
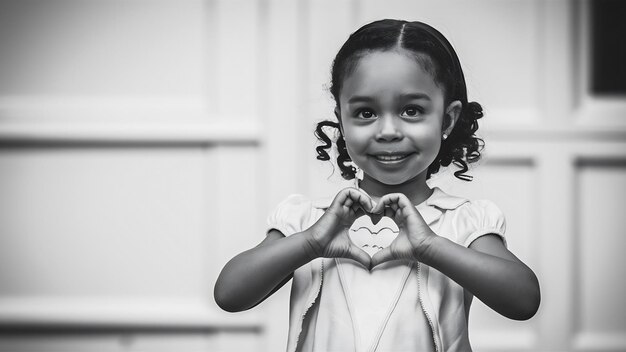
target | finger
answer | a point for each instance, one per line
(386, 208)
(379, 207)
(404, 202)
(343, 196)
(398, 199)
(361, 199)
(389, 212)
(385, 201)
(339, 200)
(363, 192)
(358, 212)
(343, 200)
(384, 255)
(359, 255)
(397, 206)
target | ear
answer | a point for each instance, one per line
(338, 116)
(453, 111)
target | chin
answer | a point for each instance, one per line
(394, 180)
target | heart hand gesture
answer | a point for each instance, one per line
(329, 235)
(415, 234)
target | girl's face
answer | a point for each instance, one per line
(392, 114)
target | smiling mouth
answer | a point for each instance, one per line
(391, 158)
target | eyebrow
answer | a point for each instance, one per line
(415, 96)
(359, 99)
(408, 96)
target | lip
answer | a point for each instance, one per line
(390, 158)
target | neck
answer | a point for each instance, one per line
(415, 189)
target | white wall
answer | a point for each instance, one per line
(143, 143)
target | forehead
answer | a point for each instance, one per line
(388, 73)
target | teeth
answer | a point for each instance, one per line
(390, 157)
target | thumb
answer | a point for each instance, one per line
(359, 255)
(384, 255)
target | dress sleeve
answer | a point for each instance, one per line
(483, 217)
(291, 215)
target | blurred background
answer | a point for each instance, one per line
(143, 144)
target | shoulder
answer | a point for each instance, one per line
(481, 217)
(480, 213)
(480, 208)
(296, 213)
(460, 207)
(477, 218)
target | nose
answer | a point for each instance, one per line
(389, 130)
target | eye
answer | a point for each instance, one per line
(412, 111)
(365, 114)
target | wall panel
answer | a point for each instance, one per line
(57, 46)
(112, 120)
(601, 267)
(124, 342)
(236, 52)
(76, 219)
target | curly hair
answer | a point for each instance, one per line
(437, 57)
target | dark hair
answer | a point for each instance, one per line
(436, 55)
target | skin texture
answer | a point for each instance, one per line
(388, 106)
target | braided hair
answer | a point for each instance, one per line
(437, 57)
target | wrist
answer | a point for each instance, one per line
(312, 249)
(425, 251)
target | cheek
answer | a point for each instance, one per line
(427, 138)
(355, 151)
(436, 147)
(356, 141)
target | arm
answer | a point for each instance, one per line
(486, 269)
(255, 274)
(252, 276)
(489, 271)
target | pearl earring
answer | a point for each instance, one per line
(359, 174)
(445, 136)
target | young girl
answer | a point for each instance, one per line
(389, 264)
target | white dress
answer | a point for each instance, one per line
(365, 311)
(361, 311)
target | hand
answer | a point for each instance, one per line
(329, 235)
(414, 236)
